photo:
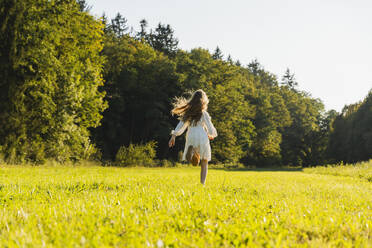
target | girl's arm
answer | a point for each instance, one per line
(211, 130)
(181, 127)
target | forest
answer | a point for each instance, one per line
(76, 87)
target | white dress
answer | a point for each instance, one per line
(197, 135)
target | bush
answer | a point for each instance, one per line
(166, 163)
(136, 155)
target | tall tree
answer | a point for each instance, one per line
(261, 76)
(83, 5)
(351, 133)
(302, 140)
(49, 83)
(288, 80)
(229, 59)
(140, 83)
(119, 25)
(162, 39)
(226, 88)
(141, 35)
(217, 54)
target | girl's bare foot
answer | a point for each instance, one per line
(189, 154)
(195, 158)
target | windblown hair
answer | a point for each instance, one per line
(191, 109)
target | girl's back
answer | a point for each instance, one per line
(200, 129)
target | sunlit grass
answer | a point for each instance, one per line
(361, 170)
(136, 207)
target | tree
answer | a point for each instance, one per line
(83, 5)
(163, 40)
(229, 59)
(119, 25)
(143, 33)
(140, 83)
(303, 141)
(217, 54)
(351, 133)
(270, 118)
(226, 88)
(49, 81)
(264, 78)
(288, 80)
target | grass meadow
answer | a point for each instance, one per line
(94, 206)
(362, 170)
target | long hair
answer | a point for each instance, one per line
(191, 109)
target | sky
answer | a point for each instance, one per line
(327, 44)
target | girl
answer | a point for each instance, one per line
(194, 116)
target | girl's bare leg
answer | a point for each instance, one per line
(204, 170)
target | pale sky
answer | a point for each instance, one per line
(327, 44)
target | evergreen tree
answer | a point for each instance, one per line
(288, 80)
(217, 54)
(119, 25)
(107, 30)
(163, 40)
(143, 33)
(263, 77)
(255, 67)
(83, 5)
(229, 59)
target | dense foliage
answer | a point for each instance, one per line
(351, 134)
(55, 56)
(136, 155)
(50, 71)
(260, 120)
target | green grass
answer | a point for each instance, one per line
(143, 207)
(361, 170)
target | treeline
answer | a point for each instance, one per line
(351, 133)
(261, 120)
(73, 87)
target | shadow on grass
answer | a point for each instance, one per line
(287, 169)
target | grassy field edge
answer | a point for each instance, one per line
(362, 170)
